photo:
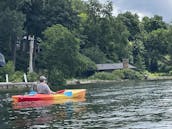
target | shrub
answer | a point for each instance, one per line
(118, 75)
(32, 77)
(56, 78)
(131, 74)
(103, 76)
(7, 69)
(16, 77)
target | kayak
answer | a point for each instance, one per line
(62, 94)
(42, 103)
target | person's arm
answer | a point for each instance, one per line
(49, 90)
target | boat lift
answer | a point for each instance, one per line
(2, 60)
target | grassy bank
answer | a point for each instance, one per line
(119, 76)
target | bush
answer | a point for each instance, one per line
(16, 77)
(56, 78)
(32, 77)
(118, 75)
(103, 76)
(131, 74)
(7, 69)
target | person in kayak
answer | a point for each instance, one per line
(42, 87)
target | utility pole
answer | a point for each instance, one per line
(31, 39)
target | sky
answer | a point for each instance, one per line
(144, 8)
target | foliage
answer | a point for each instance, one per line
(156, 46)
(32, 77)
(154, 23)
(84, 65)
(118, 75)
(132, 75)
(95, 54)
(41, 14)
(16, 77)
(56, 78)
(7, 69)
(71, 36)
(11, 26)
(103, 76)
(61, 49)
(132, 23)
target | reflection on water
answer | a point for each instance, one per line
(46, 116)
(126, 105)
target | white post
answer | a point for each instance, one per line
(31, 39)
(25, 78)
(6, 76)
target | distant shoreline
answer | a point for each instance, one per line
(85, 81)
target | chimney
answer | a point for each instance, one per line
(125, 63)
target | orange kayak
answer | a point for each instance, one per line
(60, 95)
(42, 103)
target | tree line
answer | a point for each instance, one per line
(72, 36)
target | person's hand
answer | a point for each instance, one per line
(53, 92)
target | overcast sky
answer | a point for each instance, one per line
(145, 7)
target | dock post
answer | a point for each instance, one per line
(25, 77)
(7, 79)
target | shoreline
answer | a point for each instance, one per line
(86, 81)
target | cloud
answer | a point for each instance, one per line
(145, 7)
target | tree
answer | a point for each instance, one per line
(104, 31)
(138, 51)
(154, 23)
(41, 14)
(156, 46)
(11, 31)
(61, 52)
(132, 23)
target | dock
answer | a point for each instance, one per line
(8, 85)
(17, 84)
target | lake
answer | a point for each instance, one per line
(123, 105)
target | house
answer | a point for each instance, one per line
(114, 66)
(2, 60)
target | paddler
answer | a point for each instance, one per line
(42, 87)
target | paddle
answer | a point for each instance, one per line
(60, 92)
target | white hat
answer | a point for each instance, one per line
(42, 78)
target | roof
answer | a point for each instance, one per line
(112, 66)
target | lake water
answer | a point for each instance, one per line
(125, 105)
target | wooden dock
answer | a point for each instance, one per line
(17, 84)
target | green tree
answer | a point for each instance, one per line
(61, 52)
(105, 32)
(41, 14)
(11, 29)
(138, 51)
(154, 23)
(132, 23)
(156, 46)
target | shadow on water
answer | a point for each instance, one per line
(124, 105)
